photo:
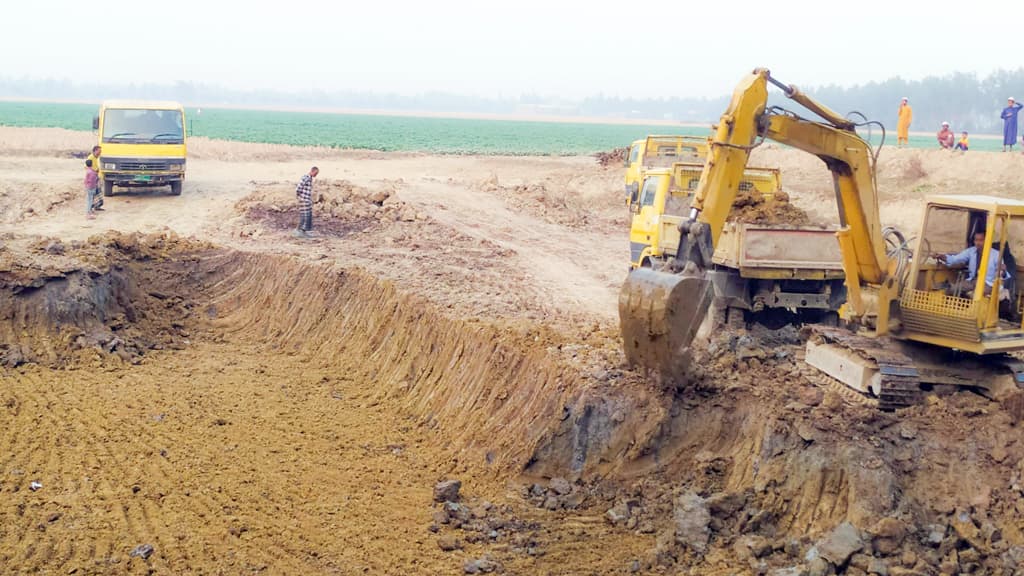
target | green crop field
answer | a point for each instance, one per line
(395, 133)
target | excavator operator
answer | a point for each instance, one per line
(971, 256)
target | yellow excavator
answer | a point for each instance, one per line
(917, 323)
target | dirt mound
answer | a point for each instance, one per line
(752, 207)
(339, 207)
(26, 198)
(613, 157)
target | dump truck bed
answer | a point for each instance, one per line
(770, 251)
(757, 249)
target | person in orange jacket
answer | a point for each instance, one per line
(906, 115)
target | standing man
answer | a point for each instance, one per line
(905, 116)
(1009, 117)
(95, 157)
(304, 192)
(91, 186)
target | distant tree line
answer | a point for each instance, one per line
(966, 101)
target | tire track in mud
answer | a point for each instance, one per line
(216, 503)
(156, 477)
(113, 443)
(130, 519)
(93, 459)
(27, 463)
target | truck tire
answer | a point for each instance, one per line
(176, 188)
(108, 188)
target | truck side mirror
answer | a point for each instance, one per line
(634, 195)
(95, 122)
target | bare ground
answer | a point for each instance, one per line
(183, 372)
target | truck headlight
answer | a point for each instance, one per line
(175, 167)
(109, 166)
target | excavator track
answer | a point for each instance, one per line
(900, 385)
(845, 392)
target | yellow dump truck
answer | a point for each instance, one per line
(660, 152)
(143, 144)
(769, 271)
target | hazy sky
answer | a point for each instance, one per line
(648, 47)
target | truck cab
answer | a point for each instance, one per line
(647, 206)
(659, 152)
(144, 144)
(664, 199)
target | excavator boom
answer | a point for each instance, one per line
(661, 310)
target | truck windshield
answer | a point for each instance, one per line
(151, 126)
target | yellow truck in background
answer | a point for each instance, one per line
(143, 144)
(659, 152)
(766, 272)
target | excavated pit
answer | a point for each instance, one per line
(767, 452)
(494, 391)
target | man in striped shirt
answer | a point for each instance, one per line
(304, 192)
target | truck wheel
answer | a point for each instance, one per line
(176, 188)
(108, 188)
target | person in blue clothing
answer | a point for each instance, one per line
(1009, 117)
(972, 257)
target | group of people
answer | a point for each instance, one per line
(93, 193)
(945, 136)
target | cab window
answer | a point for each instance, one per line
(649, 191)
(634, 153)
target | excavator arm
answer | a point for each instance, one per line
(661, 310)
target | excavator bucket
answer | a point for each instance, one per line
(659, 314)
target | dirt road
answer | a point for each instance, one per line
(555, 269)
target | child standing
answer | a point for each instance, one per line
(963, 143)
(92, 186)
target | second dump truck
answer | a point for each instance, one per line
(660, 152)
(767, 272)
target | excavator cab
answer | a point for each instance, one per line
(937, 306)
